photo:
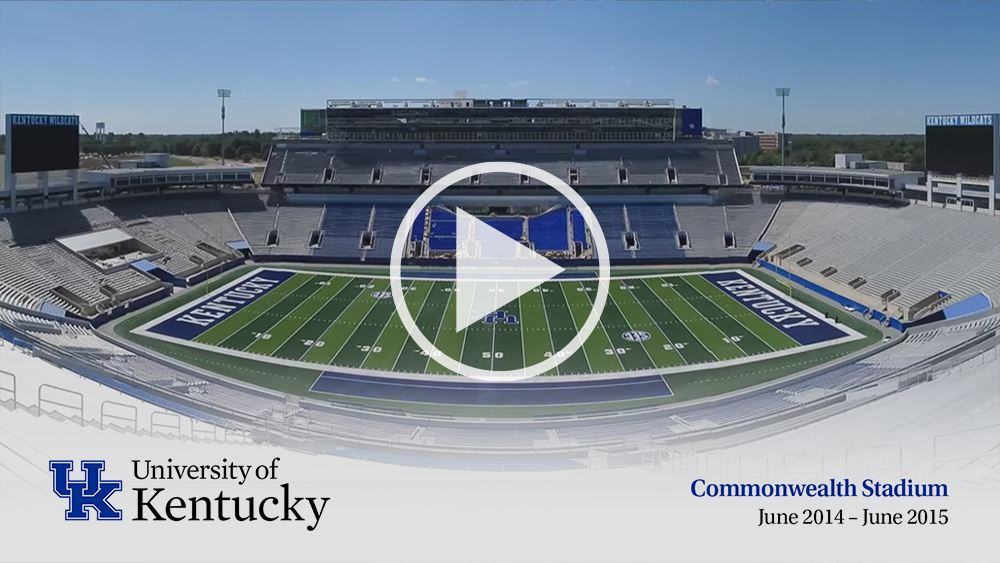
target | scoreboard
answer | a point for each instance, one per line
(962, 144)
(42, 143)
(312, 122)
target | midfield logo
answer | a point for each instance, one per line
(90, 492)
(500, 317)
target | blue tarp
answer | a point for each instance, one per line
(974, 304)
(145, 265)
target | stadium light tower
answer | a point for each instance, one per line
(783, 93)
(224, 93)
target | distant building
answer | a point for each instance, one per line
(768, 141)
(854, 161)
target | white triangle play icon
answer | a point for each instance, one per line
(493, 269)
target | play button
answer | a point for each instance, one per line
(492, 269)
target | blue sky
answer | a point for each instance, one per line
(853, 67)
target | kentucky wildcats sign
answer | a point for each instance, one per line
(21, 119)
(90, 492)
(982, 119)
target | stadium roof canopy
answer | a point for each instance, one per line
(520, 102)
(96, 239)
(872, 172)
(879, 179)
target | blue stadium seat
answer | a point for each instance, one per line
(548, 231)
(418, 226)
(513, 227)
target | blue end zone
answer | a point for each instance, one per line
(467, 392)
(191, 322)
(801, 325)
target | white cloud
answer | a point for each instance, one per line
(518, 83)
(711, 81)
(394, 79)
(424, 80)
(628, 81)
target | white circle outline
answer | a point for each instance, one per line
(395, 273)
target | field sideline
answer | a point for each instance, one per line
(659, 324)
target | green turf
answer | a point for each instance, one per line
(687, 318)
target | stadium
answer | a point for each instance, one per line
(742, 302)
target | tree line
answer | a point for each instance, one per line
(802, 150)
(819, 150)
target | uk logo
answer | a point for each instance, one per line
(500, 317)
(92, 491)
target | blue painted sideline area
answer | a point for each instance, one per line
(464, 391)
(150, 398)
(877, 315)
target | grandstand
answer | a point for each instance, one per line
(662, 196)
(135, 372)
(909, 260)
(311, 164)
(183, 236)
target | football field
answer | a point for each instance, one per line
(345, 323)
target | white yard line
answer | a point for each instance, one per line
(356, 327)
(290, 313)
(435, 377)
(264, 312)
(717, 329)
(447, 303)
(520, 326)
(548, 326)
(657, 325)
(327, 329)
(642, 345)
(682, 323)
(700, 292)
(403, 346)
(384, 325)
